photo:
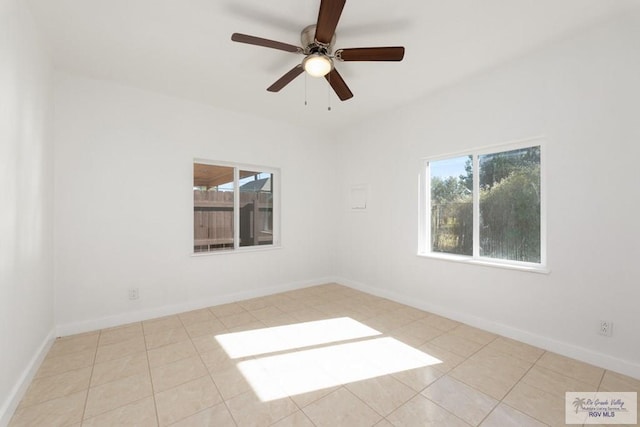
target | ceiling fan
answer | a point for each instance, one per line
(317, 47)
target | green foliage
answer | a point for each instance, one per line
(509, 207)
(447, 190)
(452, 227)
(451, 216)
(498, 166)
(510, 217)
(467, 180)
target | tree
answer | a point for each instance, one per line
(510, 216)
(446, 190)
(498, 166)
(451, 216)
(509, 198)
(467, 180)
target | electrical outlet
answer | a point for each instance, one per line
(134, 293)
(606, 328)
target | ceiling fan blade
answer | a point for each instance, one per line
(339, 86)
(395, 53)
(328, 17)
(259, 41)
(286, 79)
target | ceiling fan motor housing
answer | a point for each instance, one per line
(310, 45)
(317, 46)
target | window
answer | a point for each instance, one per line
(234, 206)
(485, 206)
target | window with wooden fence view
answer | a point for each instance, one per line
(232, 207)
(507, 220)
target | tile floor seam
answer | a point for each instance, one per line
(532, 386)
(301, 407)
(343, 386)
(226, 405)
(23, 405)
(558, 374)
(114, 409)
(490, 412)
(442, 407)
(174, 362)
(489, 366)
(423, 388)
(224, 401)
(400, 405)
(199, 412)
(522, 412)
(555, 371)
(187, 382)
(604, 372)
(516, 357)
(470, 386)
(153, 393)
(459, 355)
(408, 400)
(508, 391)
(86, 399)
(535, 417)
(288, 415)
(445, 350)
(308, 418)
(465, 360)
(190, 415)
(502, 402)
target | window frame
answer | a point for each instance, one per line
(276, 212)
(424, 225)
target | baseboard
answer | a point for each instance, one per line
(580, 353)
(11, 402)
(167, 310)
(569, 350)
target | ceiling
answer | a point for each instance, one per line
(183, 48)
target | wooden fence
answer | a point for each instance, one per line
(213, 219)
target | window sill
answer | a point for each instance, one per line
(531, 268)
(242, 250)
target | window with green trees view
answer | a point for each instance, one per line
(485, 205)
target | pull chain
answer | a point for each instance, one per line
(305, 89)
(329, 94)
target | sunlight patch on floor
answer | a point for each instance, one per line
(305, 370)
(280, 338)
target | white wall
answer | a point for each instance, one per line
(583, 95)
(123, 218)
(26, 226)
(124, 204)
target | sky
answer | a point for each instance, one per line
(448, 167)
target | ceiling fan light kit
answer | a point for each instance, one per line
(317, 47)
(317, 65)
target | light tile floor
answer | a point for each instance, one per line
(322, 356)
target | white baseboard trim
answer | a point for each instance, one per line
(167, 310)
(11, 402)
(580, 353)
(569, 350)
